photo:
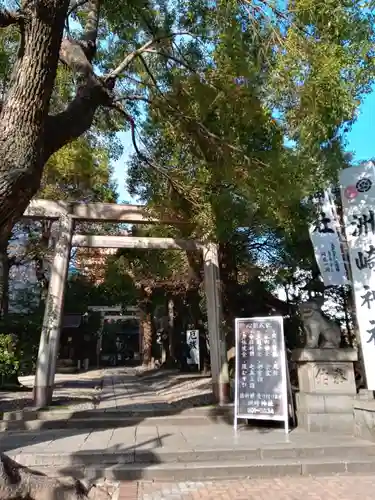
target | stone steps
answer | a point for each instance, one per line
(195, 471)
(102, 419)
(105, 423)
(156, 464)
(157, 455)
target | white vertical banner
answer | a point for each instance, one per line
(357, 185)
(324, 235)
(192, 341)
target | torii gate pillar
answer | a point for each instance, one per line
(218, 352)
(50, 335)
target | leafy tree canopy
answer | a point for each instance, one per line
(301, 78)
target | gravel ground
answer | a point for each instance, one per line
(79, 391)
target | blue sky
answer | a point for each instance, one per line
(360, 141)
(120, 167)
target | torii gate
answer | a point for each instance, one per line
(67, 214)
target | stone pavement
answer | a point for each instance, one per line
(288, 488)
(151, 448)
(118, 389)
(124, 390)
(164, 442)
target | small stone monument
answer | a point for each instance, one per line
(325, 375)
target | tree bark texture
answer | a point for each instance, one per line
(29, 135)
(229, 282)
(146, 331)
(25, 109)
(146, 325)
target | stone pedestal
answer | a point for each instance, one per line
(326, 389)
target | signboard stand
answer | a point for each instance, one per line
(261, 378)
(292, 412)
(192, 341)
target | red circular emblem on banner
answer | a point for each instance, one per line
(351, 192)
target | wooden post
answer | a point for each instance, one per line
(50, 335)
(218, 353)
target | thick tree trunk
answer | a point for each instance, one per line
(25, 110)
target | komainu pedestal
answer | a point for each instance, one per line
(326, 389)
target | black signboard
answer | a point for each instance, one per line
(261, 376)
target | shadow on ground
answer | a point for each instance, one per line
(84, 464)
(58, 403)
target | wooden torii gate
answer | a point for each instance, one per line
(67, 214)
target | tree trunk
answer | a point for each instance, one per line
(228, 274)
(25, 110)
(171, 314)
(146, 331)
(4, 277)
(146, 326)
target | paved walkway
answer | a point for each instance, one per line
(121, 389)
(289, 488)
(165, 442)
(124, 390)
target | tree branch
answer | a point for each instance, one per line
(78, 54)
(169, 56)
(8, 18)
(91, 28)
(149, 72)
(74, 5)
(123, 66)
(129, 59)
(78, 117)
(92, 91)
(73, 55)
(133, 98)
(172, 182)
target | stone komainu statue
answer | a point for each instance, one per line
(320, 331)
(21, 483)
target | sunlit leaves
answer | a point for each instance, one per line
(79, 171)
(322, 69)
(261, 125)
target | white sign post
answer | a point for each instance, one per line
(324, 235)
(261, 379)
(357, 186)
(192, 341)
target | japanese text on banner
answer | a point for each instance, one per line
(327, 246)
(358, 198)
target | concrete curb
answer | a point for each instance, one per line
(110, 412)
(205, 456)
(214, 470)
(102, 419)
